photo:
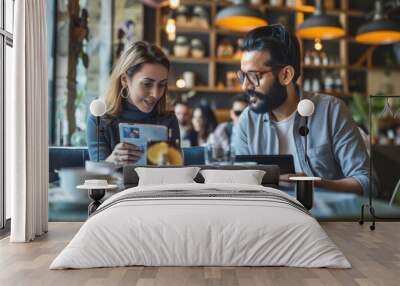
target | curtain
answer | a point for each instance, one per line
(26, 124)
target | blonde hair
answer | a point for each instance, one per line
(128, 64)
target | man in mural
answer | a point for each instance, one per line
(270, 67)
(184, 115)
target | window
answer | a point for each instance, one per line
(6, 65)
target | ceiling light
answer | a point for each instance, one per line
(320, 25)
(240, 18)
(380, 31)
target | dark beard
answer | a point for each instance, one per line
(272, 99)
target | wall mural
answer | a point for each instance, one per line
(90, 37)
(128, 25)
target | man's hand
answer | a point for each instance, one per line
(285, 177)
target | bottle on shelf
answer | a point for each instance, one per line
(338, 83)
(315, 86)
(328, 83)
(316, 58)
(307, 85)
(307, 58)
(324, 59)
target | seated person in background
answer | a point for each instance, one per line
(270, 67)
(204, 123)
(136, 94)
(184, 116)
(224, 133)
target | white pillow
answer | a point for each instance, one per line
(249, 177)
(163, 176)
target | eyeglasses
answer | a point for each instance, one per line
(253, 77)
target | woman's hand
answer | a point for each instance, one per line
(125, 154)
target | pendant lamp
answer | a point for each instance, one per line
(380, 31)
(240, 18)
(320, 25)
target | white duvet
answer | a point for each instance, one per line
(207, 230)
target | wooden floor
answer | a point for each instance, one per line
(375, 257)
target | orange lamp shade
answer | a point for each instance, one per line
(240, 18)
(379, 32)
(320, 26)
(321, 33)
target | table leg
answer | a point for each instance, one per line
(96, 195)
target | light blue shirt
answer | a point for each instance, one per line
(335, 147)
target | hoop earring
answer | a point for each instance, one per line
(122, 93)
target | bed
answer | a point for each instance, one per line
(201, 224)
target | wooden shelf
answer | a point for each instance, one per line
(227, 61)
(189, 30)
(220, 31)
(205, 89)
(322, 67)
(196, 2)
(350, 67)
(361, 68)
(189, 60)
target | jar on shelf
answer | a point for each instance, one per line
(181, 47)
(329, 4)
(291, 3)
(231, 79)
(256, 2)
(276, 2)
(182, 15)
(239, 50)
(225, 49)
(200, 17)
(197, 48)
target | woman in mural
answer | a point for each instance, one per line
(204, 123)
(136, 94)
